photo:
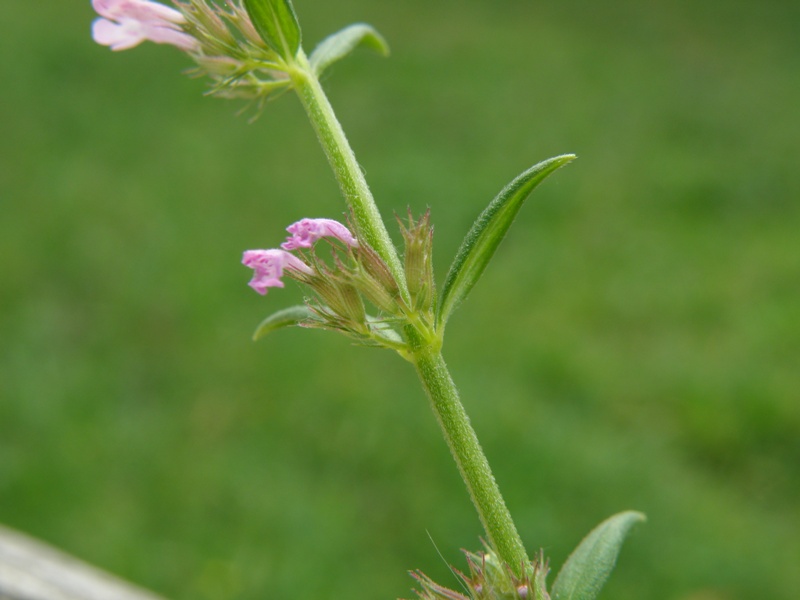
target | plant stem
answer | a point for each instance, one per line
(470, 458)
(368, 221)
(424, 349)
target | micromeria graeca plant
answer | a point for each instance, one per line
(368, 290)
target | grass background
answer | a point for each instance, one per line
(634, 344)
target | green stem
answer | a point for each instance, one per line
(424, 351)
(368, 221)
(470, 458)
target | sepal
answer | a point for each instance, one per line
(231, 52)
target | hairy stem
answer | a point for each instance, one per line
(470, 458)
(368, 221)
(424, 349)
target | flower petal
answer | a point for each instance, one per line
(118, 37)
(269, 265)
(139, 10)
(167, 35)
(307, 231)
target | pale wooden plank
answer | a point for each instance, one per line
(32, 570)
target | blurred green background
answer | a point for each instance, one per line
(635, 343)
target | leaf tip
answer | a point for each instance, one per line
(587, 568)
(338, 45)
(488, 231)
(287, 317)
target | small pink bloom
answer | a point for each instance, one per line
(127, 23)
(139, 10)
(269, 266)
(307, 231)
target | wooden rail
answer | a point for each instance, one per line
(32, 570)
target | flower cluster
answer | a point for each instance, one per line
(269, 265)
(354, 276)
(489, 579)
(220, 38)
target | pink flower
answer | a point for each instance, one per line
(307, 231)
(269, 266)
(128, 23)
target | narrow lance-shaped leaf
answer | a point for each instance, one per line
(283, 318)
(338, 45)
(590, 564)
(276, 23)
(480, 243)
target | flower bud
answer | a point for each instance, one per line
(375, 293)
(418, 237)
(205, 20)
(341, 305)
(374, 267)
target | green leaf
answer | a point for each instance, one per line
(590, 564)
(283, 318)
(340, 44)
(276, 23)
(480, 243)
